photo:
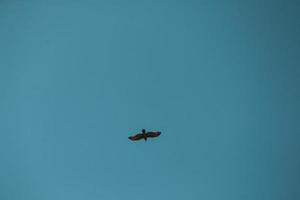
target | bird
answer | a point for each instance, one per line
(144, 135)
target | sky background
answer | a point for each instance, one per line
(220, 79)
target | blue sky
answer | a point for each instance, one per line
(219, 79)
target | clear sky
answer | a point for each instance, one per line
(220, 79)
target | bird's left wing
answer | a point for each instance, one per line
(135, 137)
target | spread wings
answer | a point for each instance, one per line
(140, 136)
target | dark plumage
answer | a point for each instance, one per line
(144, 135)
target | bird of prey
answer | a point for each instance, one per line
(144, 135)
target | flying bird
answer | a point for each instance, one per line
(144, 135)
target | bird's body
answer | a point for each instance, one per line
(144, 135)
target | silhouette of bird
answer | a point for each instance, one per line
(144, 135)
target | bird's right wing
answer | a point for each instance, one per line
(153, 134)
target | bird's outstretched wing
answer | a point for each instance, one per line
(153, 134)
(136, 137)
